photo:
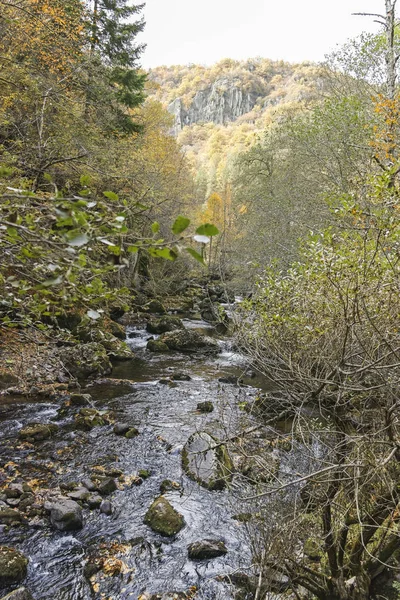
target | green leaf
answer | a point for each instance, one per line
(132, 249)
(111, 196)
(207, 229)
(196, 255)
(85, 180)
(155, 227)
(166, 253)
(180, 225)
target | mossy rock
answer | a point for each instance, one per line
(157, 346)
(163, 518)
(164, 324)
(205, 407)
(38, 431)
(313, 550)
(13, 565)
(131, 433)
(190, 341)
(87, 418)
(155, 307)
(207, 462)
(85, 360)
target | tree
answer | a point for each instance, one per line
(112, 36)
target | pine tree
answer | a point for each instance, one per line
(112, 32)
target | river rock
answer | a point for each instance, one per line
(80, 399)
(155, 307)
(210, 466)
(157, 346)
(205, 407)
(94, 501)
(38, 431)
(106, 508)
(121, 428)
(206, 549)
(164, 324)
(131, 433)
(87, 418)
(9, 516)
(190, 341)
(181, 377)
(65, 514)
(163, 518)
(13, 565)
(20, 594)
(84, 360)
(79, 495)
(106, 485)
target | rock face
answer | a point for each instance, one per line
(65, 514)
(163, 518)
(223, 101)
(190, 341)
(210, 466)
(13, 565)
(206, 549)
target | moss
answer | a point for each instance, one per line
(13, 565)
(133, 432)
(157, 346)
(163, 518)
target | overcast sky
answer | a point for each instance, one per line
(205, 31)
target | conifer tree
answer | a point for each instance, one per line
(113, 30)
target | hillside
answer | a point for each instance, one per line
(218, 110)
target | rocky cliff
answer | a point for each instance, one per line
(230, 90)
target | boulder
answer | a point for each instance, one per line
(7, 380)
(206, 549)
(9, 516)
(65, 514)
(181, 377)
(84, 360)
(20, 594)
(207, 462)
(164, 324)
(87, 418)
(163, 518)
(190, 341)
(106, 508)
(38, 431)
(121, 428)
(105, 485)
(205, 407)
(157, 346)
(155, 307)
(80, 399)
(13, 565)
(94, 501)
(133, 432)
(79, 495)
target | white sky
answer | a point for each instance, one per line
(205, 31)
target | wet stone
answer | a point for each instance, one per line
(65, 514)
(106, 507)
(163, 518)
(38, 431)
(207, 549)
(205, 407)
(181, 377)
(106, 485)
(94, 501)
(80, 399)
(121, 428)
(133, 432)
(80, 495)
(20, 594)
(9, 516)
(13, 565)
(206, 461)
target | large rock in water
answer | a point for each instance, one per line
(207, 549)
(187, 340)
(65, 514)
(13, 565)
(164, 324)
(206, 462)
(86, 359)
(163, 518)
(38, 431)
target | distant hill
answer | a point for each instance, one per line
(219, 110)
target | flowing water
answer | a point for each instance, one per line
(165, 416)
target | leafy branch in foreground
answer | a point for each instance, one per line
(60, 252)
